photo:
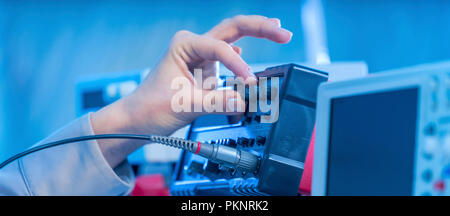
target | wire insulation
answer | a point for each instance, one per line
(72, 140)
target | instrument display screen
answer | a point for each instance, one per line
(372, 143)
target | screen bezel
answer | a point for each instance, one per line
(373, 84)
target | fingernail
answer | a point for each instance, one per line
(276, 21)
(289, 32)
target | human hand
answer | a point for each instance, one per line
(148, 109)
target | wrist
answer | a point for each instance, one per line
(113, 118)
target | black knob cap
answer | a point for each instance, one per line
(231, 143)
(243, 141)
(260, 140)
(251, 143)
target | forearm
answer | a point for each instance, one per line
(74, 169)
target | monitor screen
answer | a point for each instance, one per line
(372, 143)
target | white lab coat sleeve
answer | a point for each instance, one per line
(71, 169)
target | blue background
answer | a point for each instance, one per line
(46, 45)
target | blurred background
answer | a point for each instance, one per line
(46, 45)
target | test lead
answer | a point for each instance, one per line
(228, 156)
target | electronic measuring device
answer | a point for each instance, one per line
(386, 134)
(280, 146)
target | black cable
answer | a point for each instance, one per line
(72, 140)
(233, 157)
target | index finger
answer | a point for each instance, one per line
(233, 29)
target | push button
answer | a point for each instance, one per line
(430, 129)
(439, 186)
(427, 175)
